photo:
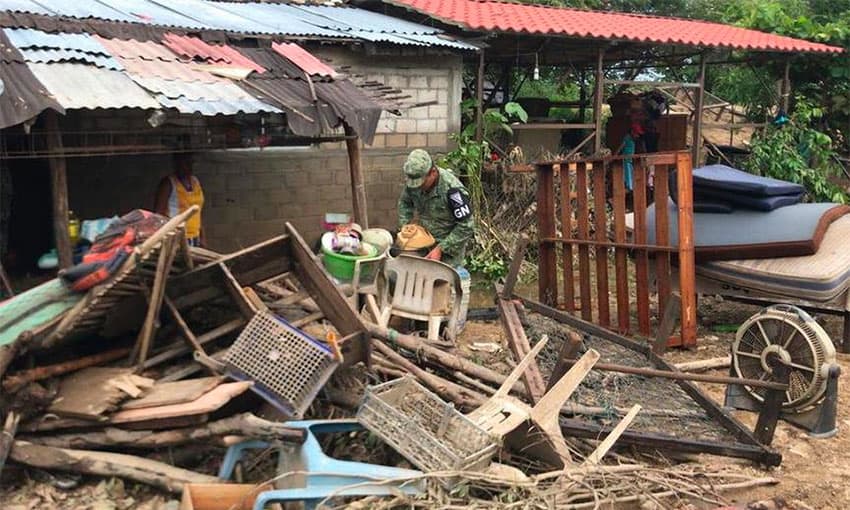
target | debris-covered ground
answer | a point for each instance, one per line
(130, 422)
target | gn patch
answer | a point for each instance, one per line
(459, 204)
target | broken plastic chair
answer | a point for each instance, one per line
(307, 474)
(533, 430)
(423, 291)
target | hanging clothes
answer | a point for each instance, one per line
(183, 197)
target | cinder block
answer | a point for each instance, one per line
(427, 95)
(405, 126)
(418, 82)
(438, 82)
(398, 140)
(442, 125)
(420, 112)
(379, 142)
(438, 111)
(437, 140)
(296, 179)
(426, 126)
(238, 183)
(321, 177)
(417, 140)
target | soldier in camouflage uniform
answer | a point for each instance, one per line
(440, 202)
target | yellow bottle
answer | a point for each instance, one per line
(73, 227)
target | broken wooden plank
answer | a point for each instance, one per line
(303, 321)
(705, 364)
(207, 403)
(182, 349)
(142, 470)
(89, 393)
(178, 392)
(602, 449)
(672, 314)
(516, 265)
(181, 324)
(245, 424)
(15, 381)
(520, 346)
(157, 293)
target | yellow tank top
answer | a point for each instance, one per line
(182, 199)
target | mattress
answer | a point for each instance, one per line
(724, 178)
(820, 277)
(791, 231)
(743, 200)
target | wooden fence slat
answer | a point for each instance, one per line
(547, 272)
(621, 267)
(567, 233)
(662, 236)
(641, 256)
(687, 269)
(583, 219)
(600, 215)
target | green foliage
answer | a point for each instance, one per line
(467, 161)
(798, 153)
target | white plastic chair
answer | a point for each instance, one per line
(422, 291)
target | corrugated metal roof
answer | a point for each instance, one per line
(149, 59)
(217, 54)
(38, 46)
(496, 16)
(24, 97)
(209, 107)
(250, 18)
(82, 86)
(303, 59)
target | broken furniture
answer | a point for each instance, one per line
(220, 496)
(676, 415)
(799, 342)
(429, 432)
(533, 430)
(308, 474)
(421, 289)
(287, 366)
(144, 273)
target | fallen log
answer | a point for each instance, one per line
(705, 364)
(108, 464)
(10, 351)
(242, 424)
(16, 381)
(7, 437)
(443, 358)
(446, 389)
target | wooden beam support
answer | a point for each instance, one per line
(772, 405)
(479, 99)
(358, 184)
(547, 270)
(58, 189)
(699, 102)
(516, 265)
(598, 99)
(687, 264)
(520, 347)
(672, 313)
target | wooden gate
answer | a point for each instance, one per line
(589, 200)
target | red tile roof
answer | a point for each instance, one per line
(194, 48)
(497, 16)
(303, 59)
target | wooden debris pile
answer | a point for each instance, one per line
(138, 379)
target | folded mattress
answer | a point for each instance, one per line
(725, 178)
(791, 231)
(820, 277)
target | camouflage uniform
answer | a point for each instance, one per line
(444, 211)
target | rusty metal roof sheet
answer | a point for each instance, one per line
(24, 97)
(83, 86)
(149, 59)
(216, 54)
(303, 59)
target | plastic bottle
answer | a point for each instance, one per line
(73, 227)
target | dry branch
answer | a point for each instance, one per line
(8, 437)
(88, 462)
(243, 424)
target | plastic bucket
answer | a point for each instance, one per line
(341, 266)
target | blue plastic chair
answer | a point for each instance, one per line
(323, 476)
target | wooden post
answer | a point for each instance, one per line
(516, 266)
(358, 186)
(597, 100)
(699, 101)
(687, 266)
(672, 311)
(785, 93)
(582, 97)
(547, 270)
(58, 189)
(479, 99)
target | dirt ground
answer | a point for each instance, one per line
(813, 473)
